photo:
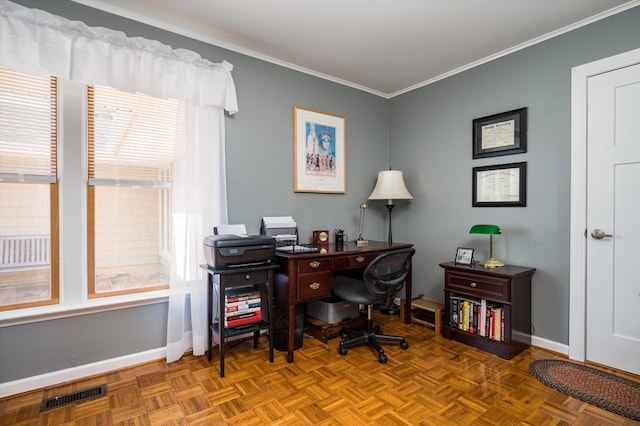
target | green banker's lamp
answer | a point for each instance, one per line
(491, 230)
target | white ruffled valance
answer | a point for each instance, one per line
(36, 42)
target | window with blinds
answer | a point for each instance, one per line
(28, 127)
(132, 142)
(28, 190)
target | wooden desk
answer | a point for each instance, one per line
(307, 276)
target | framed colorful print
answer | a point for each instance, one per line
(318, 152)
(500, 134)
(502, 185)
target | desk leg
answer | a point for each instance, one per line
(270, 313)
(407, 298)
(209, 316)
(291, 328)
(221, 325)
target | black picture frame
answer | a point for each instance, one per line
(464, 256)
(500, 134)
(500, 185)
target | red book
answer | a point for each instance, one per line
(256, 317)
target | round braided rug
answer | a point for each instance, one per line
(596, 387)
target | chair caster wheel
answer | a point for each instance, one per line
(404, 345)
(382, 358)
(342, 351)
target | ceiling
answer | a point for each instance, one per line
(385, 47)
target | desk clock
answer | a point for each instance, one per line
(321, 236)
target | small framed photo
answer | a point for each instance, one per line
(500, 134)
(501, 185)
(319, 163)
(464, 256)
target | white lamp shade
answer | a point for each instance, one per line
(390, 186)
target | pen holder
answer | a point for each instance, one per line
(341, 240)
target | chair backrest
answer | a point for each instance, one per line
(389, 269)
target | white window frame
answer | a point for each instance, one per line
(72, 173)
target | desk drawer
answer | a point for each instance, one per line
(480, 286)
(314, 265)
(314, 286)
(359, 260)
(255, 277)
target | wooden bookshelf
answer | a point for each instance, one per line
(507, 287)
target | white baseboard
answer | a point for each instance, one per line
(76, 373)
(88, 370)
(550, 345)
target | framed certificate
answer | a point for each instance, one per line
(503, 185)
(500, 134)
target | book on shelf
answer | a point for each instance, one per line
(242, 312)
(454, 312)
(241, 296)
(243, 319)
(496, 324)
(483, 317)
(242, 306)
(478, 317)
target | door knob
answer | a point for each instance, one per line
(598, 234)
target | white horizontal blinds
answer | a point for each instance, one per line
(28, 127)
(132, 138)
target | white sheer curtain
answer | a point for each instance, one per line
(36, 42)
(199, 172)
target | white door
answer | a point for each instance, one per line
(613, 219)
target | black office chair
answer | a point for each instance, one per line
(389, 269)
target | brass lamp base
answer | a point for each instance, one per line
(361, 243)
(491, 263)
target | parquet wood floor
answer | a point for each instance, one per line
(434, 382)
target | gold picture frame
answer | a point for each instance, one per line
(319, 154)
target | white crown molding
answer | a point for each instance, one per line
(521, 46)
(112, 7)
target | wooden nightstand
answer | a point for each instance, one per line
(501, 295)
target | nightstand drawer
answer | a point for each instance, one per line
(314, 286)
(480, 286)
(354, 261)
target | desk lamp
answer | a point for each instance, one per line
(491, 230)
(390, 186)
(361, 241)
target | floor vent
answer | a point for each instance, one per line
(72, 398)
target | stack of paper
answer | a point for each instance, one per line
(282, 228)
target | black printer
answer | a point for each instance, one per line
(236, 251)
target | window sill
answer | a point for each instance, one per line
(45, 313)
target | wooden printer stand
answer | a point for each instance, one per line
(259, 277)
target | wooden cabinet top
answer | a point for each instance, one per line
(507, 271)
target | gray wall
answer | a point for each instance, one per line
(427, 134)
(260, 183)
(431, 139)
